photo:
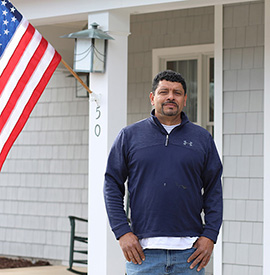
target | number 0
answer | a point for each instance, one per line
(97, 130)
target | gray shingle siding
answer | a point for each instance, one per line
(243, 138)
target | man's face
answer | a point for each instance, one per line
(169, 100)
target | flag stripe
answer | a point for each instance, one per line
(23, 82)
(29, 107)
(19, 69)
(11, 47)
(16, 57)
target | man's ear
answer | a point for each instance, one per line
(151, 96)
(185, 100)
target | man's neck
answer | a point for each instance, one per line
(169, 120)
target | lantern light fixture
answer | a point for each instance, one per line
(90, 49)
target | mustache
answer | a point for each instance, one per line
(170, 102)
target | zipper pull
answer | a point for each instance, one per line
(167, 140)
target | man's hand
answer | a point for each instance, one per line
(131, 248)
(201, 256)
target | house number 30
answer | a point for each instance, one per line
(97, 127)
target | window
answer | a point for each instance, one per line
(196, 64)
(188, 69)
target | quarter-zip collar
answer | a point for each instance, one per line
(184, 120)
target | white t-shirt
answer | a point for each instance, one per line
(179, 243)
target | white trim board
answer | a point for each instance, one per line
(266, 218)
(218, 116)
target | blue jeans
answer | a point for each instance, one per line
(164, 262)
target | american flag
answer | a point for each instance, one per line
(27, 62)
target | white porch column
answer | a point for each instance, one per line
(218, 131)
(104, 253)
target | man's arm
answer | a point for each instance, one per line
(114, 187)
(114, 191)
(213, 206)
(212, 193)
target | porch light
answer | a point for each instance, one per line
(90, 49)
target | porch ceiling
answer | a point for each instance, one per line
(54, 18)
(63, 11)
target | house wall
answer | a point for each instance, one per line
(44, 179)
(243, 138)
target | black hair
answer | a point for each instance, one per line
(171, 76)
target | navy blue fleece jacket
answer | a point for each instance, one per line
(171, 179)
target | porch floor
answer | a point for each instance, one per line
(43, 270)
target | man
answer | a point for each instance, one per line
(173, 172)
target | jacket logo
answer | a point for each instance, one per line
(187, 143)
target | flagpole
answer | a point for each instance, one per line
(76, 76)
